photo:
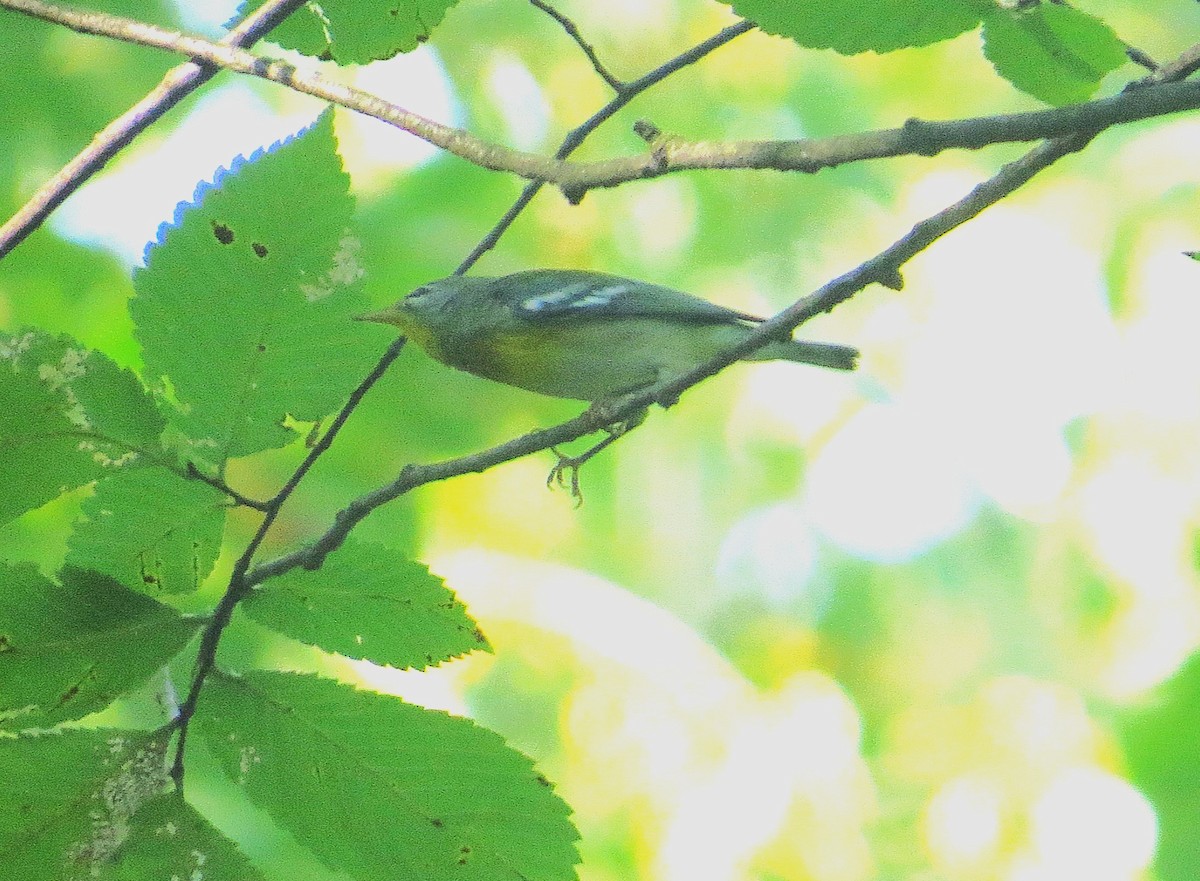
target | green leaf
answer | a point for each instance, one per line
(69, 798)
(417, 793)
(169, 839)
(152, 530)
(245, 303)
(369, 602)
(357, 31)
(876, 25)
(1162, 746)
(1055, 53)
(71, 649)
(68, 415)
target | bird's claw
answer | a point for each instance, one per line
(558, 474)
(572, 464)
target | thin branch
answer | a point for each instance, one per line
(1181, 68)
(319, 448)
(1143, 59)
(576, 136)
(194, 473)
(239, 584)
(667, 154)
(573, 32)
(413, 476)
(915, 138)
(456, 141)
(175, 85)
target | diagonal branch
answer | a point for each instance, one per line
(883, 268)
(174, 87)
(573, 32)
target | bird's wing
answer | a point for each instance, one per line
(545, 294)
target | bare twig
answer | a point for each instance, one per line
(573, 32)
(577, 135)
(1137, 56)
(915, 137)
(175, 85)
(1181, 68)
(668, 154)
(191, 472)
(884, 267)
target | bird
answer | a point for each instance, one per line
(579, 334)
(583, 335)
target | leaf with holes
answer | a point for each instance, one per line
(245, 302)
(152, 530)
(369, 602)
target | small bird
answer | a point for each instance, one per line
(590, 336)
(576, 334)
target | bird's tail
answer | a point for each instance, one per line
(822, 354)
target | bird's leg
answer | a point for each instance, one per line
(571, 464)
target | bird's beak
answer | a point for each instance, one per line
(382, 316)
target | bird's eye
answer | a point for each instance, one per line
(418, 299)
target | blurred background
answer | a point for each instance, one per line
(929, 621)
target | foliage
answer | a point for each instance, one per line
(71, 648)
(232, 292)
(937, 628)
(1055, 53)
(352, 32)
(71, 406)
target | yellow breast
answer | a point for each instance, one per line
(586, 360)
